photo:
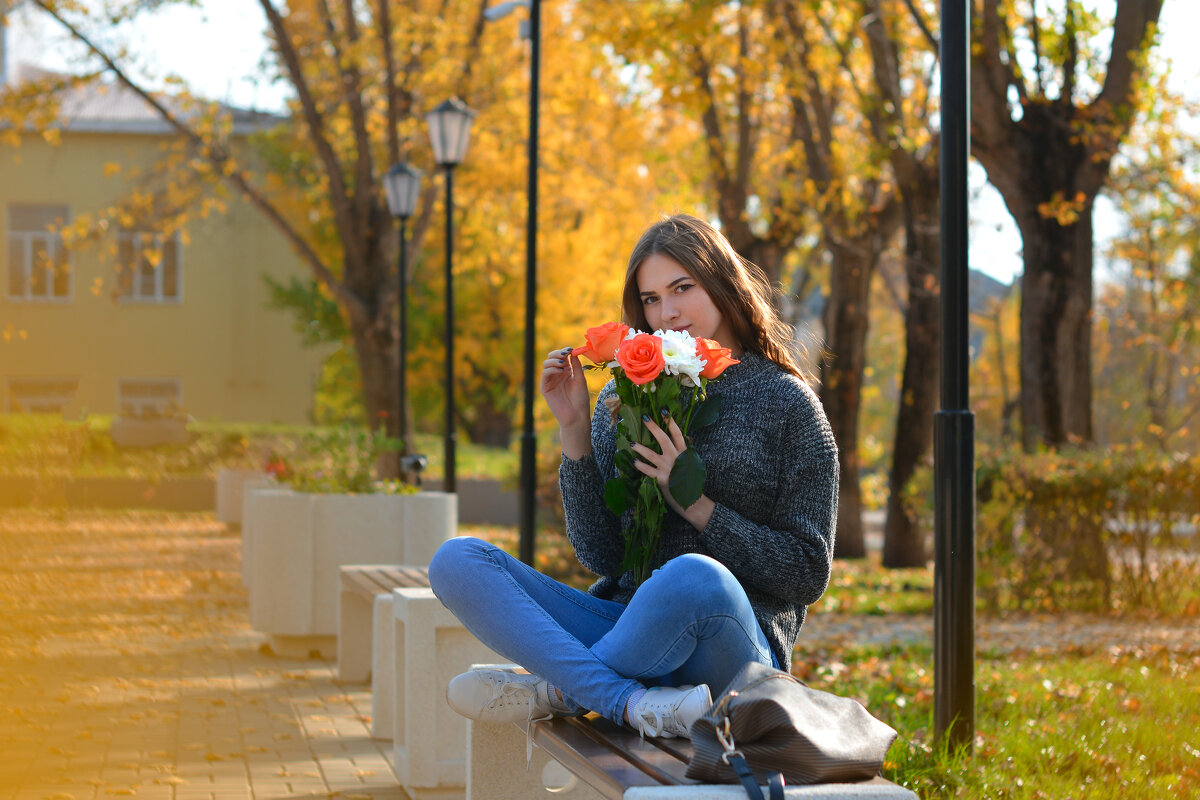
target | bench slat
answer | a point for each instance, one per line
(607, 757)
(373, 580)
(405, 577)
(657, 757)
(361, 582)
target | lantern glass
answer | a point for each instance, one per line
(450, 131)
(402, 184)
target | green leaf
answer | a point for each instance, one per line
(668, 391)
(618, 496)
(687, 478)
(648, 492)
(706, 413)
(624, 460)
(631, 418)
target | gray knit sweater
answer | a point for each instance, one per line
(772, 471)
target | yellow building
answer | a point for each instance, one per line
(99, 328)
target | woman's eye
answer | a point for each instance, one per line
(683, 287)
(648, 300)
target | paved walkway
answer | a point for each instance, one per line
(128, 668)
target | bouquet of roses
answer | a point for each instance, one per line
(659, 376)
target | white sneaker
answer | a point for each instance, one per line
(499, 695)
(669, 712)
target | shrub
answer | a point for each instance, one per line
(1088, 530)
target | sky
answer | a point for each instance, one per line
(218, 48)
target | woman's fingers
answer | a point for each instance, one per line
(676, 435)
(657, 432)
(648, 454)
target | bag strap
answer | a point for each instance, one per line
(734, 758)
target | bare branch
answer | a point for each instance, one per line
(1035, 35)
(924, 26)
(339, 196)
(464, 81)
(365, 187)
(887, 118)
(1132, 25)
(1072, 61)
(389, 68)
(745, 128)
(709, 118)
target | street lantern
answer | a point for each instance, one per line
(402, 184)
(449, 131)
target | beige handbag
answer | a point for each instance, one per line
(771, 722)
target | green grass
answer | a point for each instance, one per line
(1076, 724)
(862, 586)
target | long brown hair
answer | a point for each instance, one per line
(738, 288)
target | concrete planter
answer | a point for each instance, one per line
(232, 485)
(293, 544)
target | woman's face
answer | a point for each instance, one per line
(673, 300)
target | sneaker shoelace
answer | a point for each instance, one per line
(511, 692)
(651, 721)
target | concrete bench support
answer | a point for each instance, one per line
(358, 621)
(383, 668)
(430, 647)
(496, 768)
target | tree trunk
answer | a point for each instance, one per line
(846, 317)
(1056, 328)
(379, 371)
(903, 539)
(489, 426)
(767, 255)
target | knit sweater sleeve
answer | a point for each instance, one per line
(594, 531)
(789, 556)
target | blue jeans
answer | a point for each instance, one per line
(689, 623)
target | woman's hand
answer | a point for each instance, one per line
(566, 392)
(658, 466)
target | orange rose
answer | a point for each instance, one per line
(716, 358)
(602, 342)
(641, 357)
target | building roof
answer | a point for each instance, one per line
(98, 106)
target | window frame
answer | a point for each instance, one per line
(135, 297)
(53, 243)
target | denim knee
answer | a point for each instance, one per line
(699, 568)
(452, 559)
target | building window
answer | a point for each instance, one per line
(151, 269)
(38, 267)
(40, 395)
(148, 397)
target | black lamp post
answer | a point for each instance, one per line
(528, 497)
(954, 424)
(403, 184)
(449, 131)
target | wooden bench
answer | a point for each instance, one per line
(361, 584)
(612, 762)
